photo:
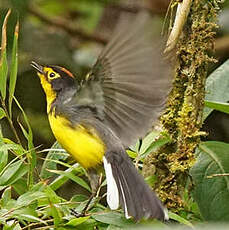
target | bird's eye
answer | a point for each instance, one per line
(52, 75)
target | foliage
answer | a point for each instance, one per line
(217, 89)
(29, 195)
(210, 173)
(211, 178)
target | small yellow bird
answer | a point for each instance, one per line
(96, 118)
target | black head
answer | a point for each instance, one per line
(54, 78)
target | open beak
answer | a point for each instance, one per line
(37, 67)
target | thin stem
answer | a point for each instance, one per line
(10, 122)
(65, 25)
(37, 225)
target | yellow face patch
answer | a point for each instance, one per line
(46, 85)
(51, 74)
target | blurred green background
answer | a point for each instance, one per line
(71, 33)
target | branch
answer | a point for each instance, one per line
(180, 19)
(135, 8)
(64, 24)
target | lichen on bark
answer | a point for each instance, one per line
(182, 119)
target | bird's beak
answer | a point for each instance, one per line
(39, 68)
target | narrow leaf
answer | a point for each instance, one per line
(31, 156)
(29, 135)
(174, 216)
(2, 113)
(29, 197)
(14, 67)
(162, 140)
(60, 180)
(77, 221)
(113, 218)
(20, 186)
(222, 107)
(3, 154)
(55, 214)
(52, 196)
(147, 141)
(50, 160)
(3, 59)
(73, 177)
(31, 218)
(12, 173)
(6, 196)
(17, 227)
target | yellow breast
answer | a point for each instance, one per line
(83, 144)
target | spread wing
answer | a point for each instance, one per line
(129, 82)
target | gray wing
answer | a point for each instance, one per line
(129, 82)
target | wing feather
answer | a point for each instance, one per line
(133, 80)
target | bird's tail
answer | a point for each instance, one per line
(125, 186)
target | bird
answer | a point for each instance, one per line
(96, 117)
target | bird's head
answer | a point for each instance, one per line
(54, 79)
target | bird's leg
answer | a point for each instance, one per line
(95, 182)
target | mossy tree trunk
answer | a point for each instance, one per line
(182, 119)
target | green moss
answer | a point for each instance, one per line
(182, 119)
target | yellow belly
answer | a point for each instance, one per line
(84, 145)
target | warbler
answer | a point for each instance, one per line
(96, 118)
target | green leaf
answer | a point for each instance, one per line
(39, 187)
(30, 218)
(151, 180)
(222, 107)
(135, 148)
(60, 180)
(57, 217)
(89, 224)
(3, 58)
(113, 218)
(77, 221)
(31, 155)
(6, 147)
(13, 172)
(3, 154)
(52, 196)
(2, 113)
(155, 144)
(6, 196)
(131, 154)
(113, 227)
(20, 186)
(29, 197)
(174, 216)
(14, 67)
(73, 177)
(29, 135)
(13, 226)
(148, 140)
(50, 160)
(211, 185)
(25, 210)
(217, 87)
(17, 227)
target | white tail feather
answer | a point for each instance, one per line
(124, 201)
(166, 214)
(112, 189)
